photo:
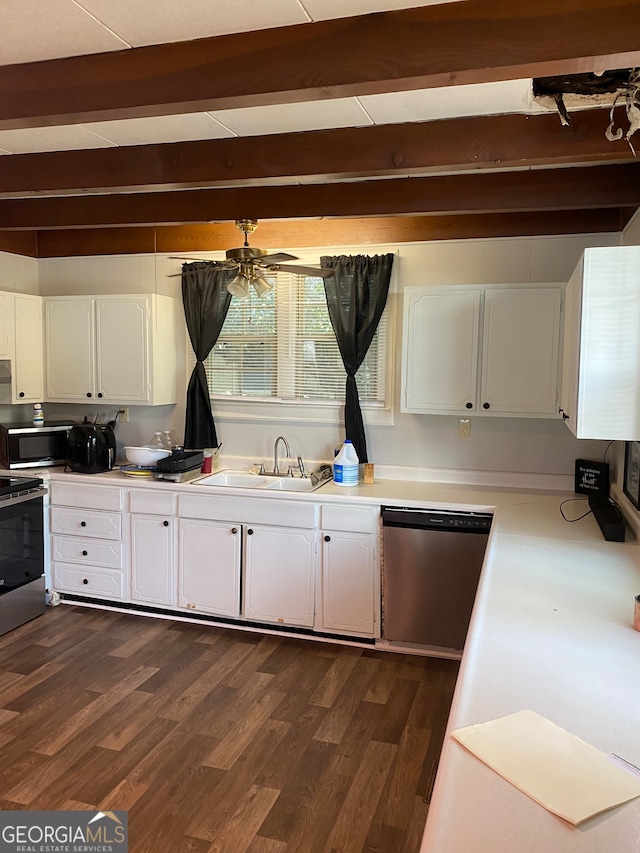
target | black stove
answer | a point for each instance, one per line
(18, 485)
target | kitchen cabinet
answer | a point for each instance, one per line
(118, 349)
(21, 341)
(279, 575)
(350, 579)
(28, 372)
(87, 549)
(490, 351)
(267, 547)
(209, 566)
(600, 396)
(151, 526)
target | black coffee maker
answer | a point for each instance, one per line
(92, 447)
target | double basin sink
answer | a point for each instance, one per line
(249, 480)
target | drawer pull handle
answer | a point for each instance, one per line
(83, 524)
(85, 581)
(84, 553)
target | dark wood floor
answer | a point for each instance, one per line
(220, 740)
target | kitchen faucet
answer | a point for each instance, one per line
(276, 469)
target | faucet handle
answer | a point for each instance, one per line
(259, 466)
(303, 473)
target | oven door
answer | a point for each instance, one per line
(22, 592)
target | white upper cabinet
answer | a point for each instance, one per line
(115, 348)
(27, 378)
(482, 350)
(601, 368)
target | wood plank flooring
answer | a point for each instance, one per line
(220, 741)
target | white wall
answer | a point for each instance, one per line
(496, 444)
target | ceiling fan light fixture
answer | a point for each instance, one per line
(239, 287)
(260, 284)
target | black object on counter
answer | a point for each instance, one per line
(608, 517)
(179, 461)
(92, 447)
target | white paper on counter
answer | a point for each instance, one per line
(569, 777)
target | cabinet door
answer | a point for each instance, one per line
(69, 350)
(28, 367)
(440, 349)
(349, 583)
(209, 566)
(152, 559)
(520, 349)
(279, 575)
(6, 325)
(122, 349)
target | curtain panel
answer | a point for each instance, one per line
(206, 303)
(356, 297)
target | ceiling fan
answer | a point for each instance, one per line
(252, 264)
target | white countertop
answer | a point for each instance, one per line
(551, 631)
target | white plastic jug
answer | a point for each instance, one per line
(345, 466)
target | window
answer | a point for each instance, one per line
(281, 348)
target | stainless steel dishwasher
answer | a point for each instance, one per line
(432, 563)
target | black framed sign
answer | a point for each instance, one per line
(631, 485)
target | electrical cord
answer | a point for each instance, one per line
(570, 500)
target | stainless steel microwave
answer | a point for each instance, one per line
(27, 446)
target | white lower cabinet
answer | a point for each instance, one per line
(270, 561)
(279, 575)
(152, 548)
(209, 566)
(88, 556)
(350, 573)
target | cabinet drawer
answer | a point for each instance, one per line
(93, 497)
(87, 581)
(89, 552)
(357, 519)
(151, 503)
(104, 525)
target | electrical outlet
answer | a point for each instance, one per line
(464, 428)
(124, 415)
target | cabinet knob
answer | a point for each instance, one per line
(469, 405)
(234, 530)
(327, 539)
(486, 405)
(99, 393)
(83, 524)
(84, 553)
(88, 393)
(85, 581)
(21, 394)
(165, 523)
(250, 532)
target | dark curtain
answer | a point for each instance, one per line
(356, 296)
(206, 302)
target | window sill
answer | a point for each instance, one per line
(306, 413)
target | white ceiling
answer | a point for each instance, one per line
(33, 31)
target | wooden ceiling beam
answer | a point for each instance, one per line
(503, 141)
(476, 41)
(539, 190)
(193, 239)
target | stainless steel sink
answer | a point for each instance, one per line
(240, 479)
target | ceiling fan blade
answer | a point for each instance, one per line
(314, 271)
(277, 258)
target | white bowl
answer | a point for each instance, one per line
(145, 455)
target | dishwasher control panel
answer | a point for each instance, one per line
(428, 519)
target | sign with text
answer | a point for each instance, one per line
(63, 832)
